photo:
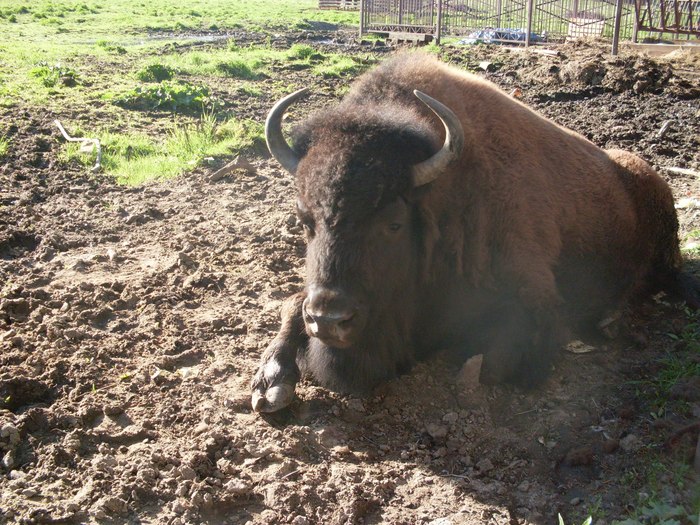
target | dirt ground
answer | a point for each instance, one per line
(132, 320)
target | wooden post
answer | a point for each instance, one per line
(530, 9)
(438, 29)
(616, 28)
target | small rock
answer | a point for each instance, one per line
(10, 432)
(484, 465)
(8, 460)
(436, 431)
(29, 492)
(330, 437)
(187, 472)
(450, 418)
(113, 410)
(468, 377)
(356, 405)
(178, 507)
(104, 463)
(630, 443)
(73, 334)
(237, 486)
(524, 486)
(201, 428)
(114, 505)
(300, 520)
(575, 501)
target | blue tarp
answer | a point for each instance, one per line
(499, 36)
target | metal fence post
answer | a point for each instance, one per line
(362, 18)
(530, 9)
(438, 29)
(616, 28)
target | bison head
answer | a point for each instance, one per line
(360, 172)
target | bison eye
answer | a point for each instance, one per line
(395, 226)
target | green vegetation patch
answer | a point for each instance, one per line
(155, 73)
(54, 75)
(172, 96)
(135, 158)
(337, 66)
(4, 146)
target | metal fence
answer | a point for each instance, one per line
(547, 20)
(680, 17)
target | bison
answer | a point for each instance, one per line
(441, 213)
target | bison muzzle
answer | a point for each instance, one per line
(440, 213)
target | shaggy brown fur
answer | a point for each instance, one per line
(531, 227)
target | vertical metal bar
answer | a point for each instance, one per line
(499, 10)
(438, 28)
(530, 9)
(677, 15)
(362, 17)
(616, 28)
(400, 12)
(662, 6)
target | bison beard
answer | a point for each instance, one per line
(440, 213)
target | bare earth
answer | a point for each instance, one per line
(132, 320)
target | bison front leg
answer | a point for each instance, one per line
(274, 383)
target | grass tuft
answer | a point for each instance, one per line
(53, 75)
(4, 146)
(134, 158)
(155, 73)
(172, 96)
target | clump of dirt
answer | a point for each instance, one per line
(132, 320)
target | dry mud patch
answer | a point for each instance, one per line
(132, 319)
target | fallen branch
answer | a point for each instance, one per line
(236, 164)
(682, 171)
(96, 142)
(664, 129)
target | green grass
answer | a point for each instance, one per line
(92, 37)
(4, 146)
(337, 66)
(172, 96)
(135, 158)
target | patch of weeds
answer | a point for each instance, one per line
(691, 245)
(110, 47)
(155, 73)
(302, 25)
(337, 66)
(53, 75)
(301, 52)
(249, 89)
(4, 146)
(659, 513)
(237, 69)
(173, 96)
(676, 365)
(133, 159)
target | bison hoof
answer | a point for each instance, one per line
(273, 399)
(273, 387)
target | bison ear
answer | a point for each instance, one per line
(430, 169)
(276, 142)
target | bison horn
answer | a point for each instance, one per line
(273, 132)
(429, 170)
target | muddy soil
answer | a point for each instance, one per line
(132, 320)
